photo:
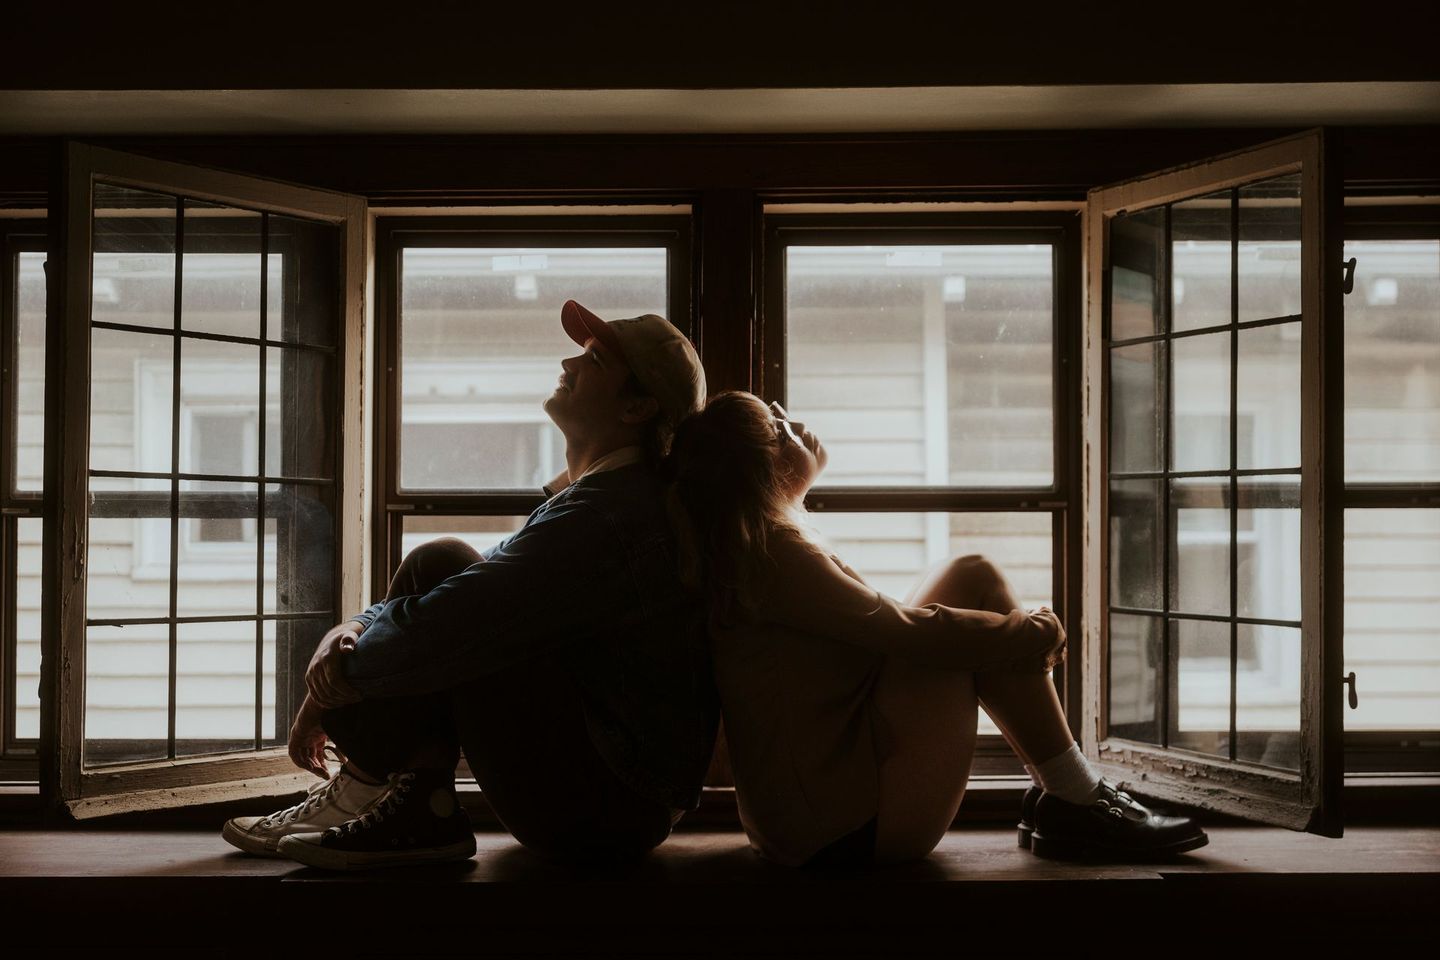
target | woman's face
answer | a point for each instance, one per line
(799, 455)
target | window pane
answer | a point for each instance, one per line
(304, 267)
(1392, 362)
(30, 372)
(481, 345)
(220, 274)
(299, 548)
(133, 267)
(1200, 256)
(219, 407)
(127, 568)
(1136, 538)
(925, 365)
(1269, 249)
(1200, 549)
(214, 687)
(27, 627)
(1135, 676)
(1267, 569)
(130, 401)
(1267, 695)
(480, 532)
(1137, 274)
(1267, 397)
(1137, 384)
(216, 572)
(1392, 618)
(127, 678)
(1200, 686)
(299, 414)
(1200, 418)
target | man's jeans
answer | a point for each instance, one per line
(524, 734)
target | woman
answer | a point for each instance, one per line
(851, 718)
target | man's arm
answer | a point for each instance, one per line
(549, 585)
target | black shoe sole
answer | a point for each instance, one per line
(1064, 849)
(1023, 835)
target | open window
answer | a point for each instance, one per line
(1212, 622)
(205, 470)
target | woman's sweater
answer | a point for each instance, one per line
(805, 739)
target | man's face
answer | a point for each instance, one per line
(588, 397)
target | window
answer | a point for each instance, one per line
(472, 346)
(1392, 481)
(928, 351)
(22, 437)
(204, 458)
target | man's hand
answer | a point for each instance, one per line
(324, 678)
(307, 740)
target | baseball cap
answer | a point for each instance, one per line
(659, 355)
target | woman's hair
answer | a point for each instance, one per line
(725, 497)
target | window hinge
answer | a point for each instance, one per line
(1349, 681)
(1349, 282)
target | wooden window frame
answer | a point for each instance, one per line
(1061, 230)
(393, 234)
(1371, 752)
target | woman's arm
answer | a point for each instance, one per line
(812, 594)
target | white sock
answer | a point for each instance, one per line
(1069, 776)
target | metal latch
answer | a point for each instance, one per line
(1349, 680)
(1349, 283)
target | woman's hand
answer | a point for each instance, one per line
(325, 678)
(307, 740)
(1046, 638)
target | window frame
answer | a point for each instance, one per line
(1370, 752)
(395, 233)
(1062, 498)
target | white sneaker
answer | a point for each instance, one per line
(327, 804)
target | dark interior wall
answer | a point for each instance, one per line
(737, 43)
(1055, 165)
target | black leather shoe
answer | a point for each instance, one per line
(1114, 826)
(1026, 826)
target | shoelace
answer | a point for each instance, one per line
(400, 785)
(315, 796)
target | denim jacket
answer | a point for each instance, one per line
(592, 572)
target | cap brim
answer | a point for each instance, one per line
(582, 326)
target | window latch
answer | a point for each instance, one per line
(1348, 284)
(1349, 681)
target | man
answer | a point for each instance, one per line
(567, 661)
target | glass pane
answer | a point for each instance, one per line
(1268, 566)
(27, 627)
(1267, 695)
(127, 690)
(1392, 618)
(289, 645)
(305, 273)
(133, 268)
(924, 365)
(1200, 549)
(216, 571)
(1392, 362)
(1200, 258)
(1267, 397)
(219, 407)
(130, 401)
(1268, 258)
(1134, 677)
(30, 372)
(1200, 427)
(1137, 274)
(274, 729)
(299, 549)
(1136, 541)
(214, 687)
(300, 414)
(481, 345)
(1200, 686)
(127, 567)
(480, 532)
(220, 275)
(1137, 384)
